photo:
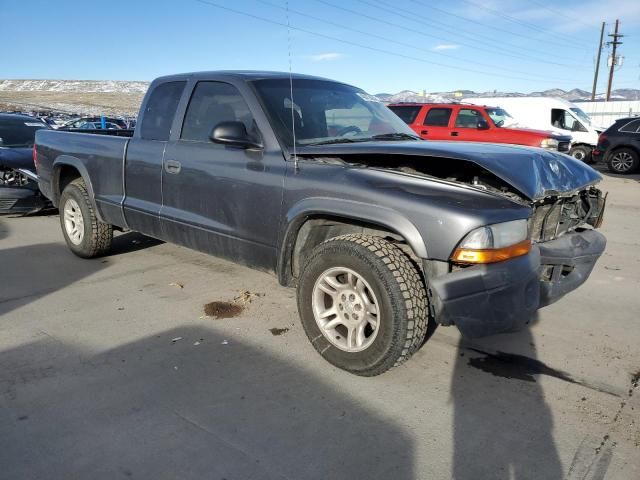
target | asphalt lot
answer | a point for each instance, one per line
(110, 369)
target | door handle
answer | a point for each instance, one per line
(172, 166)
(424, 132)
(454, 134)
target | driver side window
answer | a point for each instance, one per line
(210, 104)
(561, 118)
(467, 118)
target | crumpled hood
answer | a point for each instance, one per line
(15, 158)
(535, 172)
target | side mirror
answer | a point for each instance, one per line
(234, 134)
(483, 125)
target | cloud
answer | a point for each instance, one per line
(326, 57)
(445, 46)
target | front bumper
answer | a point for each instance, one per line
(503, 297)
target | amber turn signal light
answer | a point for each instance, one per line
(491, 255)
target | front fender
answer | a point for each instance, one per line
(348, 210)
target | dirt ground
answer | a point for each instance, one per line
(159, 362)
(108, 103)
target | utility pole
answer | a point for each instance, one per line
(595, 76)
(614, 58)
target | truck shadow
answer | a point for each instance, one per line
(131, 242)
(503, 429)
(198, 407)
(32, 271)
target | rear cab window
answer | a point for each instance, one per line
(160, 110)
(407, 113)
(437, 117)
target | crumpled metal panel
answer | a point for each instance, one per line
(534, 172)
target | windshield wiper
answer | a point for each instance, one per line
(333, 140)
(395, 136)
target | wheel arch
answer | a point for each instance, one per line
(312, 221)
(65, 170)
(621, 146)
(612, 151)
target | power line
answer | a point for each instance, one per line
(359, 45)
(573, 18)
(391, 40)
(500, 50)
(517, 21)
(418, 32)
(476, 22)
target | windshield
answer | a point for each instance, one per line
(327, 112)
(581, 115)
(499, 117)
(19, 132)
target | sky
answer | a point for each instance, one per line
(378, 45)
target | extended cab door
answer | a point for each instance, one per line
(220, 199)
(435, 123)
(143, 166)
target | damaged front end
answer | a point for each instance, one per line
(500, 297)
(19, 194)
(485, 294)
(557, 215)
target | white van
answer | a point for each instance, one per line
(552, 114)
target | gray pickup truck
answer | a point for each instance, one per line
(382, 233)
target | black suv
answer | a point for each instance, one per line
(619, 146)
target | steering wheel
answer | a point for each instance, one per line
(350, 129)
(499, 123)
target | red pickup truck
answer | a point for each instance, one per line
(473, 123)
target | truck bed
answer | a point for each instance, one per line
(99, 157)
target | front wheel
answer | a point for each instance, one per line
(86, 236)
(582, 153)
(362, 303)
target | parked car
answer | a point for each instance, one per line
(97, 126)
(380, 231)
(619, 146)
(551, 114)
(18, 188)
(471, 123)
(79, 122)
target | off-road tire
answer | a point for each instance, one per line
(398, 287)
(97, 235)
(635, 160)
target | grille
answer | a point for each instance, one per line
(557, 216)
(563, 146)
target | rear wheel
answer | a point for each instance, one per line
(362, 303)
(623, 160)
(582, 153)
(85, 235)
